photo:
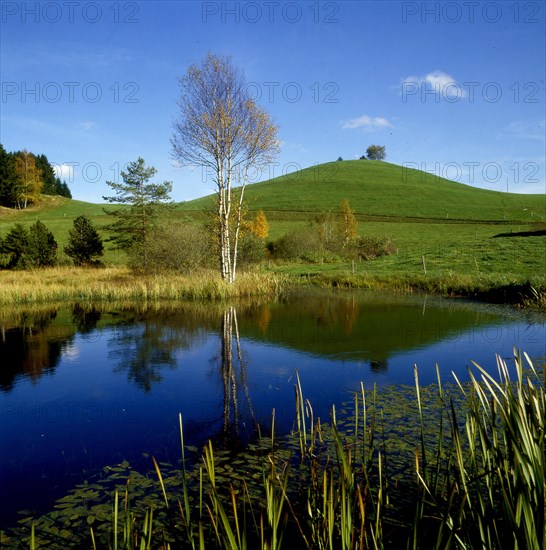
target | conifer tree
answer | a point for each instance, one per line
(16, 246)
(42, 248)
(9, 178)
(49, 186)
(84, 242)
(133, 227)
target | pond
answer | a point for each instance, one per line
(86, 387)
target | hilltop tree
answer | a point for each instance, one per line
(376, 152)
(84, 242)
(134, 225)
(30, 179)
(222, 129)
(42, 246)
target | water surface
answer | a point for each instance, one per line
(82, 387)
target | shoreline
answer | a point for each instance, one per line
(99, 285)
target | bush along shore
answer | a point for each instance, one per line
(458, 465)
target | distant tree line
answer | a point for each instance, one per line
(24, 176)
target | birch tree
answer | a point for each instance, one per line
(30, 179)
(222, 129)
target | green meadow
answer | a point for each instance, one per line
(450, 237)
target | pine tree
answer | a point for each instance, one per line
(134, 225)
(9, 178)
(62, 189)
(48, 175)
(84, 243)
(42, 249)
(16, 246)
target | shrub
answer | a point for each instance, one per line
(369, 247)
(251, 250)
(181, 248)
(296, 244)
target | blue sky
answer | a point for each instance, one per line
(455, 88)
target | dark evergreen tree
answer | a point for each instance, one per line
(52, 184)
(42, 247)
(84, 242)
(9, 178)
(48, 175)
(16, 246)
(62, 189)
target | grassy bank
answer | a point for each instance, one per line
(120, 284)
(448, 466)
(70, 284)
(496, 289)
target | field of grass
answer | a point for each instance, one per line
(444, 231)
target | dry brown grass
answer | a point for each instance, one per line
(69, 284)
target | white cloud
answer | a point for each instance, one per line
(527, 129)
(436, 81)
(87, 125)
(64, 171)
(367, 123)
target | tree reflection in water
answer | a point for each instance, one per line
(30, 347)
(233, 382)
(143, 350)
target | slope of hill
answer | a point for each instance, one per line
(56, 212)
(380, 189)
(51, 207)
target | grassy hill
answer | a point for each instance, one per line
(438, 226)
(377, 189)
